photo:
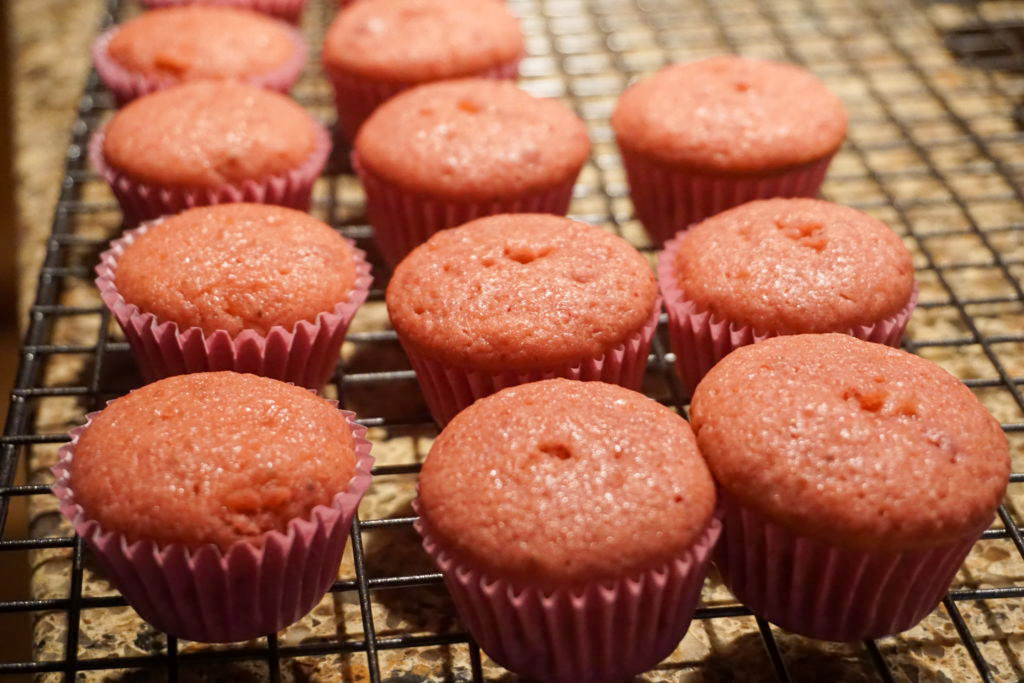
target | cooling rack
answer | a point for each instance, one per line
(934, 91)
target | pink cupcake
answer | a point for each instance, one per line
(244, 287)
(374, 50)
(208, 142)
(782, 266)
(289, 10)
(163, 48)
(573, 523)
(516, 298)
(854, 478)
(218, 503)
(700, 137)
(443, 154)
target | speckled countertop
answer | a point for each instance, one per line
(914, 108)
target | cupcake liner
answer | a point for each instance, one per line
(355, 97)
(141, 200)
(289, 10)
(306, 354)
(822, 591)
(603, 633)
(213, 596)
(668, 200)
(126, 85)
(403, 220)
(699, 339)
(448, 389)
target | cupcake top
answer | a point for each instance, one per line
(730, 115)
(194, 42)
(519, 292)
(562, 482)
(855, 443)
(794, 265)
(208, 134)
(215, 457)
(413, 41)
(237, 267)
(474, 139)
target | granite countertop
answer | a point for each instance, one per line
(51, 39)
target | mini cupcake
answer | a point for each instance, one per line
(375, 50)
(218, 503)
(443, 154)
(854, 477)
(517, 298)
(573, 523)
(289, 10)
(244, 287)
(782, 266)
(163, 48)
(209, 142)
(700, 137)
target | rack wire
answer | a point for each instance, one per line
(934, 90)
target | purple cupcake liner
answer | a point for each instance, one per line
(141, 200)
(126, 85)
(210, 595)
(699, 339)
(355, 97)
(601, 633)
(403, 220)
(668, 200)
(289, 10)
(826, 592)
(448, 389)
(306, 354)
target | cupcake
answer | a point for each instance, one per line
(289, 10)
(443, 154)
(244, 287)
(218, 503)
(209, 142)
(374, 50)
(517, 298)
(700, 137)
(573, 523)
(782, 266)
(854, 478)
(165, 47)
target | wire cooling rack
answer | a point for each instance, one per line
(934, 91)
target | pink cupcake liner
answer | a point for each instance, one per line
(141, 201)
(127, 85)
(604, 632)
(822, 591)
(448, 389)
(668, 200)
(355, 97)
(403, 220)
(213, 596)
(289, 10)
(305, 355)
(699, 339)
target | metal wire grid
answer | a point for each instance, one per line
(915, 150)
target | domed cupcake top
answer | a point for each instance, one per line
(519, 292)
(237, 267)
(413, 41)
(731, 115)
(211, 458)
(562, 482)
(473, 139)
(794, 265)
(195, 42)
(856, 443)
(208, 134)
